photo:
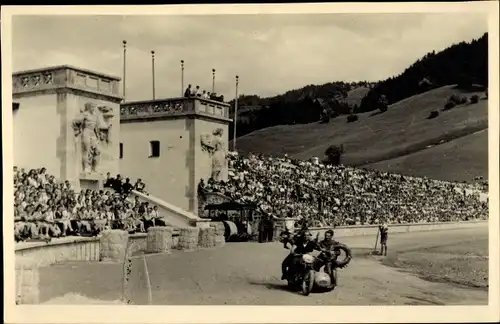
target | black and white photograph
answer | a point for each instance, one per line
(251, 157)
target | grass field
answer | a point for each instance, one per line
(402, 130)
(461, 159)
(355, 96)
(463, 264)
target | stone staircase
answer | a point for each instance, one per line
(175, 216)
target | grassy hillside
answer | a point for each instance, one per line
(355, 96)
(402, 130)
(461, 159)
(464, 63)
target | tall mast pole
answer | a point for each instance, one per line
(235, 113)
(124, 68)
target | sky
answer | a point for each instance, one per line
(271, 53)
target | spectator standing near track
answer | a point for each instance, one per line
(270, 224)
(262, 229)
(384, 231)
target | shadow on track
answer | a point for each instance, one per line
(422, 301)
(271, 285)
(284, 287)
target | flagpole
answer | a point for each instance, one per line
(182, 78)
(213, 80)
(124, 67)
(235, 114)
(153, 71)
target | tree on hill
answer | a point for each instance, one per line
(382, 103)
(425, 85)
(333, 154)
(463, 64)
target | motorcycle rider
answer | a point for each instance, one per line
(303, 244)
(328, 242)
(303, 225)
(287, 235)
(326, 246)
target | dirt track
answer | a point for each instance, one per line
(249, 273)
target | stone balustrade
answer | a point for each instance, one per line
(173, 107)
(64, 77)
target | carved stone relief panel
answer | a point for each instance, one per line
(32, 81)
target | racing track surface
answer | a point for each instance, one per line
(249, 273)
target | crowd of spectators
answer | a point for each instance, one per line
(196, 92)
(309, 191)
(45, 208)
(479, 184)
(126, 187)
(326, 195)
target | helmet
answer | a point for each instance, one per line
(307, 258)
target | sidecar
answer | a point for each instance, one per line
(323, 281)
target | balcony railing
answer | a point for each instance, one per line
(64, 76)
(173, 107)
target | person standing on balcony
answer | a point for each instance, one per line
(188, 92)
(196, 92)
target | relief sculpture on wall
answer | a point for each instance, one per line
(92, 129)
(214, 145)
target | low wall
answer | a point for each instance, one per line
(67, 249)
(75, 248)
(87, 249)
(362, 230)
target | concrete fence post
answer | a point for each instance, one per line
(27, 280)
(159, 239)
(188, 239)
(113, 245)
(206, 238)
(219, 233)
